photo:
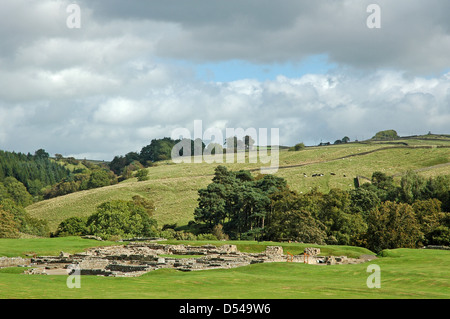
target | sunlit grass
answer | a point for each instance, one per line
(404, 273)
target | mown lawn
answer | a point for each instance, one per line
(405, 273)
(46, 246)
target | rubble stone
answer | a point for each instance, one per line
(311, 251)
(274, 251)
(137, 258)
(13, 261)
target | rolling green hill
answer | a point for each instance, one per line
(173, 187)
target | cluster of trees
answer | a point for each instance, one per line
(297, 147)
(12, 189)
(81, 180)
(377, 215)
(157, 150)
(235, 144)
(26, 178)
(114, 219)
(238, 201)
(345, 139)
(125, 165)
(22, 179)
(45, 178)
(14, 221)
(381, 135)
(35, 172)
(161, 150)
(386, 135)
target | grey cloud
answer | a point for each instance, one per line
(414, 34)
(197, 13)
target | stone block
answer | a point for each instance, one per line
(312, 251)
(274, 251)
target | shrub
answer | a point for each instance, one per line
(295, 224)
(182, 235)
(73, 226)
(18, 192)
(386, 135)
(142, 175)
(24, 223)
(218, 232)
(439, 236)
(169, 226)
(8, 226)
(429, 216)
(392, 225)
(99, 178)
(168, 233)
(121, 218)
(297, 147)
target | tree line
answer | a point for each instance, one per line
(161, 150)
(157, 150)
(92, 176)
(26, 178)
(377, 215)
(115, 219)
(35, 172)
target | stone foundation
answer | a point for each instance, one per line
(138, 258)
(13, 262)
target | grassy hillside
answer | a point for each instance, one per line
(173, 187)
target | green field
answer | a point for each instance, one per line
(46, 246)
(173, 187)
(405, 273)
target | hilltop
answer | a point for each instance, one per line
(174, 187)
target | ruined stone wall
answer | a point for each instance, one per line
(13, 261)
(135, 259)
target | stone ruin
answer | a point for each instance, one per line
(135, 259)
(14, 262)
(311, 251)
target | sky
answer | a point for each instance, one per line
(127, 72)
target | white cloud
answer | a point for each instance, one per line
(119, 112)
(309, 109)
